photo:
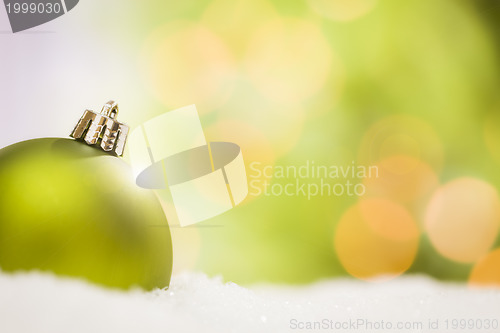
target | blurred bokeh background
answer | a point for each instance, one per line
(411, 87)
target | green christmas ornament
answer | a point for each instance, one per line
(75, 210)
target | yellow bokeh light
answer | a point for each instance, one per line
(255, 147)
(486, 271)
(290, 60)
(186, 243)
(376, 238)
(388, 219)
(463, 219)
(235, 20)
(403, 179)
(401, 135)
(282, 125)
(400, 144)
(342, 10)
(186, 63)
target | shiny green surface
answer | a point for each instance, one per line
(71, 209)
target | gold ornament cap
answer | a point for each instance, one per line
(102, 129)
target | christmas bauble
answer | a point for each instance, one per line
(75, 210)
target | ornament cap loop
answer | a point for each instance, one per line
(110, 109)
(103, 129)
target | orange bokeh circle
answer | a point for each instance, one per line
(376, 238)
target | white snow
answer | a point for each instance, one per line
(36, 302)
